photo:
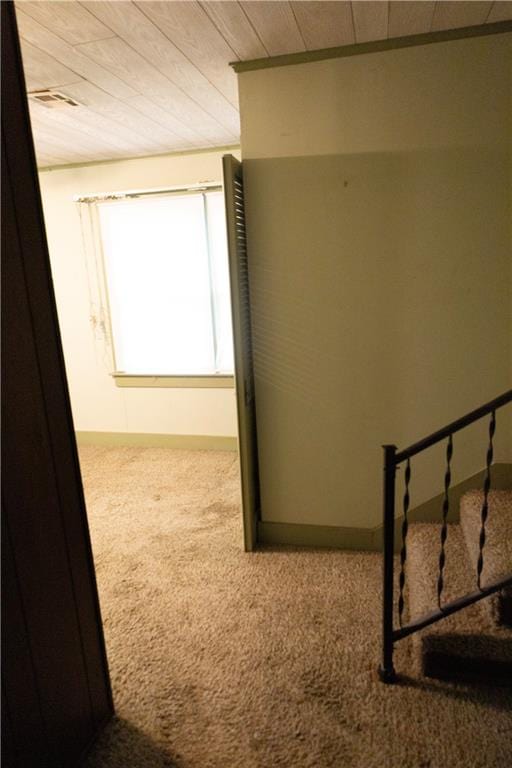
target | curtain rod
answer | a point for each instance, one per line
(105, 196)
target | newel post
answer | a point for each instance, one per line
(386, 670)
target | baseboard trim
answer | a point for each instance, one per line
(371, 539)
(155, 440)
(324, 536)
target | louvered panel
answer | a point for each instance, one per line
(242, 336)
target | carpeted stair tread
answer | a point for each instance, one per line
(498, 547)
(467, 643)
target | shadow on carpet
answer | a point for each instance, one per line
(121, 745)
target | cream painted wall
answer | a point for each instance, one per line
(378, 195)
(98, 405)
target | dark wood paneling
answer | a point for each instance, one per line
(56, 681)
(9, 757)
(34, 515)
(55, 394)
(17, 668)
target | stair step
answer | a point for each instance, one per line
(498, 547)
(466, 645)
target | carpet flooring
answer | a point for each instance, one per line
(222, 659)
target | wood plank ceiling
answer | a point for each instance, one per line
(154, 77)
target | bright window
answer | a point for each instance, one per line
(168, 283)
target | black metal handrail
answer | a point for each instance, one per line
(392, 458)
(454, 427)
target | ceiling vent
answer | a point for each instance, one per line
(52, 99)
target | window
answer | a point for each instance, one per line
(167, 275)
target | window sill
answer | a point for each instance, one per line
(181, 382)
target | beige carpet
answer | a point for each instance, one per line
(221, 659)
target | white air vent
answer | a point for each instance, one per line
(52, 99)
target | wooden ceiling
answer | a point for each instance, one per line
(154, 77)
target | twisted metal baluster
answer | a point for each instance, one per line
(485, 505)
(444, 527)
(403, 551)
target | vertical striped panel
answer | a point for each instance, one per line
(242, 337)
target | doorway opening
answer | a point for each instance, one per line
(142, 287)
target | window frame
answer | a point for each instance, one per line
(200, 381)
(124, 379)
